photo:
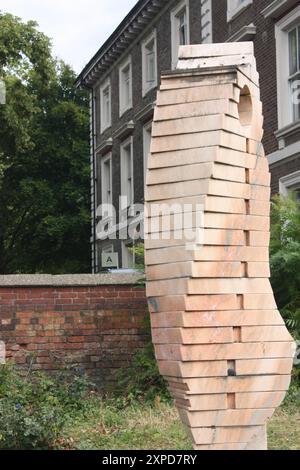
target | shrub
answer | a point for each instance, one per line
(35, 408)
(142, 380)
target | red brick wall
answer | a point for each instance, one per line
(96, 328)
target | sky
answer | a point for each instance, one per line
(77, 27)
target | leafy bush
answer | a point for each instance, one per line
(285, 259)
(35, 408)
(142, 380)
(139, 256)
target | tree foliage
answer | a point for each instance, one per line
(285, 258)
(44, 157)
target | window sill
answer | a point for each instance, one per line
(104, 129)
(124, 110)
(145, 90)
(246, 33)
(286, 132)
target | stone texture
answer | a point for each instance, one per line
(219, 339)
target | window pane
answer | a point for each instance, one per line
(106, 106)
(126, 92)
(182, 29)
(293, 51)
(150, 67)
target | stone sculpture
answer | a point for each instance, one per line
(219, 339)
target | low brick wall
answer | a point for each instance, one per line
(96, 322)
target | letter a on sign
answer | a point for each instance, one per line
(110, 260)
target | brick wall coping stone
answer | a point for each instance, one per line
(37, 280)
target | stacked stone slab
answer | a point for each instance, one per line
(219, 339)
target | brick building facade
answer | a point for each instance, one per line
(123, 77)
(268, 24)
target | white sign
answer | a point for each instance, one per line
(110, 260)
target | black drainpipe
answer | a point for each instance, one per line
(92, 110)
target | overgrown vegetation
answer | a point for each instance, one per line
(35, 408)
(145, 386)
(285, 259)
(65, 412)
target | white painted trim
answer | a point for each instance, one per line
(127, 257)
(146, 129)
(286, 152)
(107, 248)
(151, 37)
(282, 27)
(289, 182)
(125, 144)
(206, 22)
(277, 8)
(246, 33)
(130, 47)
(104, 160)
(234, 8)
(174, 31)
(122, 107)
(105, 125)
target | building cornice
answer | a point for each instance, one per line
(146, 113)
(129, 29)
(124, 131)
(246, 33)
(278, 8)
(104, 147)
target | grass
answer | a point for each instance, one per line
(114, 426)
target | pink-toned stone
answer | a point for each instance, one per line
(217, 318)
(219, 338)
(193, 369)
(192, 335)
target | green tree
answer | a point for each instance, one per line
(44, 157)
(285, 258)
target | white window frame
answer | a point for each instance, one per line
(104, 188)
(122, 104)
(206, 22)
(147, 127)
(184, 4)
(235, 7)
(147, 86)
(124, 170)
(289, 183)
(105, 124)
(127, 257)
(282, 28)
